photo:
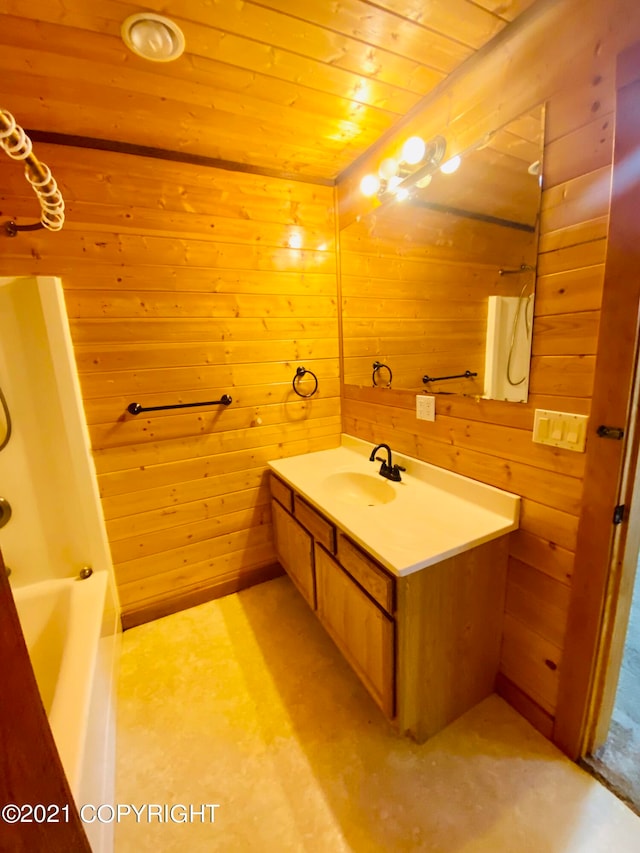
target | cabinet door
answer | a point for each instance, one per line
(294, 547)
(361, 630)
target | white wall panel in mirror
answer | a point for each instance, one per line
(442, 283)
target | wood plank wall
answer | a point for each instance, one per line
(415, 288)
(180, 287)
(565, 56)
(178, 279)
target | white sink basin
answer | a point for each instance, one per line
(356, 489)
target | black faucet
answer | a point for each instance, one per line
(387, 469)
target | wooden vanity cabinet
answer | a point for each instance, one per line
(427, 645)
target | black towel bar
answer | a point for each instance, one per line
(136, 408)
(466, 375)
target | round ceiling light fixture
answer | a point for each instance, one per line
(153, 37)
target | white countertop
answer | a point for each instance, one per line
(433, 515)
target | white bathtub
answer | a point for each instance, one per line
(70, 633)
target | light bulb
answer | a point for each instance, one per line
(295, 241)
(450, 166)
(388, 169)
(413, 150)
(369, 185)
(394, 183)
(402, 194)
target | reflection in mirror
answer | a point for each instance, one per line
(441, 284)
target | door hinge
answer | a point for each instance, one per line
(616, 433)
(618, 514)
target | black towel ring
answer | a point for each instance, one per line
(376, 367)
(300, 372)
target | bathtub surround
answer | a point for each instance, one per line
(56, 530)
(46, 469)
(245, 702)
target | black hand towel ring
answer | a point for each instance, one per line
(300, 372)
(377, 365)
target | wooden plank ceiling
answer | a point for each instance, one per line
(298, 87)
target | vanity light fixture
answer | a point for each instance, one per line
(396, 178)
(153, 37)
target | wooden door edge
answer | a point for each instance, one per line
(588, 637)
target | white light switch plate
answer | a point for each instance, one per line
(560, 429)
(425, 407)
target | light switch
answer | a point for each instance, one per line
(543, 429)
(560, 429)
(556, 432)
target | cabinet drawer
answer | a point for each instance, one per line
(322, 530)
(281, 492)
(379, 585)
(362, 631)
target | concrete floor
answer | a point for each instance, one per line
(246, 703)
(619, 759)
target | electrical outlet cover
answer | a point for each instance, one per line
(425, 407)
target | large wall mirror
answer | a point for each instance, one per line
(442, 284)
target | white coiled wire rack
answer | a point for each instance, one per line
(15, 142)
